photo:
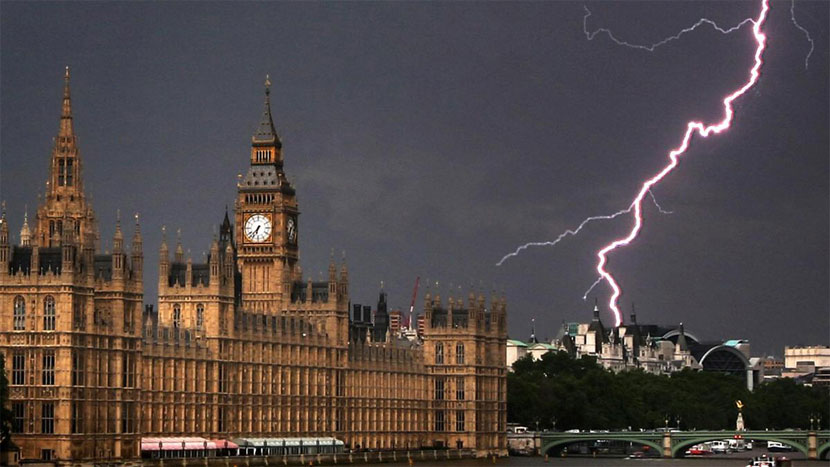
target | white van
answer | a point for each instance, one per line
(720, 447)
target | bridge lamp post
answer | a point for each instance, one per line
(812, 422)
(678, 422)
(667, 422)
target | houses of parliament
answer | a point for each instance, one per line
(242, 345)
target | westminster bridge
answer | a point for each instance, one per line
(813, 444)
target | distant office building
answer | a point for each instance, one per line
(395, 322)
(807, 358)
(808, 365)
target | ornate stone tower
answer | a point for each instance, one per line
(266, 222)
(70, 323)
(65, 201)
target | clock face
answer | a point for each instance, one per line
(291, 230)
(257, 228)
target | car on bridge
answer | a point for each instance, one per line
(719, 447)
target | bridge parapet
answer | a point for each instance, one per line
(813, 444)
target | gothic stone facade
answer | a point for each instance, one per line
(239, 346)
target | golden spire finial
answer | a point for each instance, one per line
(267, 84)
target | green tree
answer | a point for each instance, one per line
(579, 393)
(783, 403)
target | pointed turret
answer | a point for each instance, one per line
(597, 329)
(179, 255)
(118, 237)
(681, 345)
(188, 275)
(25, 232)
(66, 130)
(533, 339)
(229, 263)
(64, 197)
(137, 260)
(225, 230)
(4, 242)
(164, 259)
(332, 276)
(213, 261)
(344, 280)
(266, 134)
(381, 326)
(266, 147)
(118, 249)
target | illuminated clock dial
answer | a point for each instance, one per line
(257, 228)
(291, 230)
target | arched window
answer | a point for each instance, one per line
(177, 316)
(200, 316)
(49, 313)
(459, 353)
(19, 313)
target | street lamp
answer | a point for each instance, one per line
(812, 422)
(667, 422)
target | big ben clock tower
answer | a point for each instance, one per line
(266, 221)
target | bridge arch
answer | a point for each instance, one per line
(823, 451)
(566, 441)
(685, 443)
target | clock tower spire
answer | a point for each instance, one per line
(266, 219)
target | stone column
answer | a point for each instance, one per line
(667, 444)
(812, 444)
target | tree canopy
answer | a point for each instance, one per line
(578, 393)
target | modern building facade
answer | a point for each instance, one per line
(239, 345)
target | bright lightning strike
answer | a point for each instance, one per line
(572, 232)
(650, 48)
(806, 34)
(691, 128)
(590, 35)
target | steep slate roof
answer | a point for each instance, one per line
(265, 132)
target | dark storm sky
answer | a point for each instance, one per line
(430, 139)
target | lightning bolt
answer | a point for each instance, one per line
(652, 47)
(572, 232)
(692, 127)
(806, 34)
